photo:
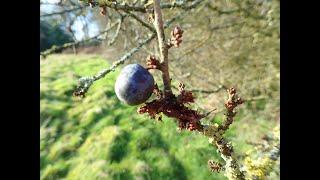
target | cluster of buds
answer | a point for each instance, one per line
(153, 108)
(184, 96)
(173, 106)
(215, 166)
(233, 100)
(188, 119)
(153, 63)
(187, 125)
(176, 35)
(192, 126)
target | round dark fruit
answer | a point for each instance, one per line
(134, 85)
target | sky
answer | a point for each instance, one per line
(77, 26)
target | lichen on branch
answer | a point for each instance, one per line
(215, 133)
(261, 167)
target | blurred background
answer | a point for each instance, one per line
(225, 43)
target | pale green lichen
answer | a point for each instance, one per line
(231, 167)
(261, 167)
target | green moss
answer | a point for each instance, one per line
(118, 148)
(143, 139)
(56, 171)
(91, 161)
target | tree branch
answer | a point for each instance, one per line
(158, 23)
(117, 31)
(124, 7)
(142, 9)
(215, 134)
(102, 73)
(220, 87)
(220, 12)
(209, 91)
(181, 4)
(54, 49)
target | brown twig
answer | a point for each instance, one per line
(218, 89)
(158, 23)
(145, 24)
(232, 102)
(116, 34)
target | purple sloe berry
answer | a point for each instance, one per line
(134, 85)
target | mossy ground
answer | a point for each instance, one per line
(99, 138)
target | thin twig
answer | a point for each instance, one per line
(232, 102)
(63, 12)
(257, 98)
(117, 32)
(221, 87)
(145, 24)
(181, 4)
(54, 49)
(142, 9)
(102, 73)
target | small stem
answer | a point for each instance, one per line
(141, 21)
(216, 132)
(158, 23)
(232, 102)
